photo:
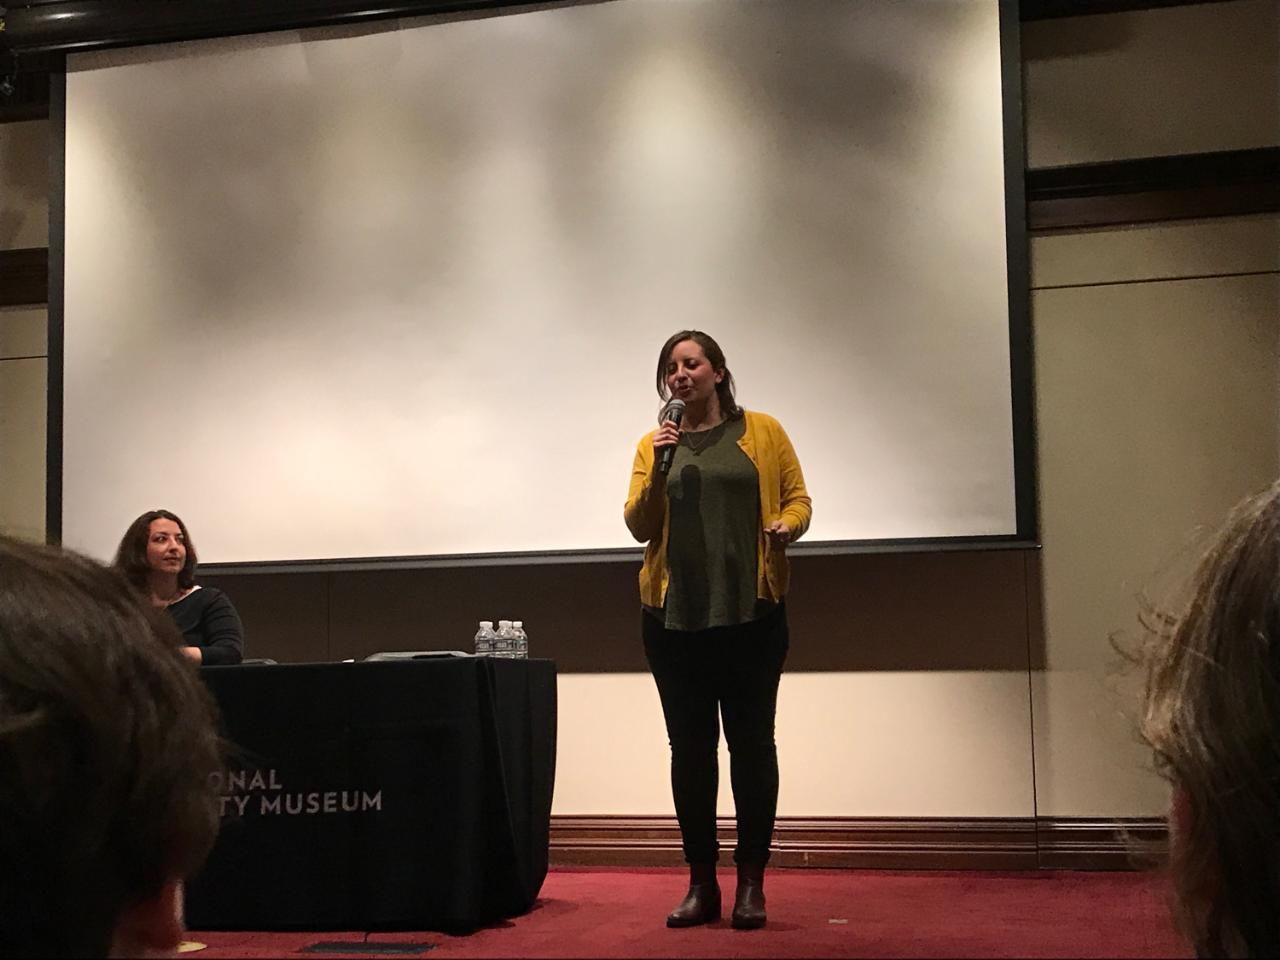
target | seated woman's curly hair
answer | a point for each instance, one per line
(1211, 714)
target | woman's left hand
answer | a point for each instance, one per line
(779, 534)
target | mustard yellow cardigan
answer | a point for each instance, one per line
(782, 497)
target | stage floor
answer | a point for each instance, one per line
(619, 912)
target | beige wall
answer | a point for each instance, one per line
(1152, 82)
(907, 743)
(23, 367)
(1156, 369)
(24, 222)
(1156, 409)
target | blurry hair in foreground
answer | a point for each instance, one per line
(1211, 714)
(108, 740)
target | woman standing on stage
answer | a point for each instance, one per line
(157, 556)
(716, 526)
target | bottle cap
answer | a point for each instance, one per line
(518, 623)
(486, 623)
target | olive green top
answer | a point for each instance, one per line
(713, 495)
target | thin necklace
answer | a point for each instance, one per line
(708, 436)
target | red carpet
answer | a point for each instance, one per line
(613, 912)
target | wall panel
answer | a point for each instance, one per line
(24, 184)
(1157, 410)
(1149, 83)
(23, 386)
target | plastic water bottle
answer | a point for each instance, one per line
(504, 641)
(484, 639)
(522, 640)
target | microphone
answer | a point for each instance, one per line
(671, 413)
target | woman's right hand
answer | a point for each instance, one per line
(667, 435)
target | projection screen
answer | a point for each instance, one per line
(399, 290)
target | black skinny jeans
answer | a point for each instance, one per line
(705, 674)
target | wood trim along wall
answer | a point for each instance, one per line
(24, 94)
(879, 843)
(24, 276)
(1152, 206)
(1099, 844)
(1058, 9)
(1149, 189)
(16, 110)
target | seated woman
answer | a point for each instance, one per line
(1212, 716)
(157, 556)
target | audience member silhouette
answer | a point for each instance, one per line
(108, 743)
(1211, 714)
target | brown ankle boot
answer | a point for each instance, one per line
(748, 903)
(702, 903)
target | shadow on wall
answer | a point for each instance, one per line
(962, 610)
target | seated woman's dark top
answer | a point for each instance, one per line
(209, 621)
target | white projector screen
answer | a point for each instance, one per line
(399, 291)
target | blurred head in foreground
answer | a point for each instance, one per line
(1212, 716)
(108, 740)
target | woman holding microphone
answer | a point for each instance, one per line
(716, 495)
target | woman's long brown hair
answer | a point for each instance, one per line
(1211, 714)
(725, 390)
(131, 555)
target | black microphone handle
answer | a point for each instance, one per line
(664, 460)
(673, 413)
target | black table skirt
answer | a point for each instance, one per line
(411, 795)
